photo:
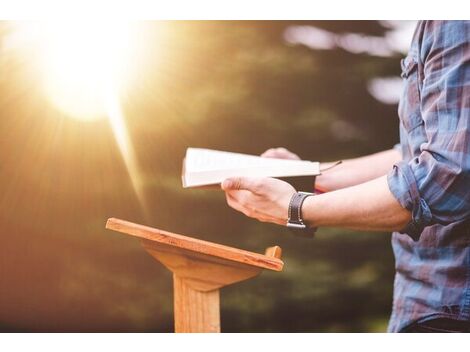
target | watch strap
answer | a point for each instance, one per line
(295, 219)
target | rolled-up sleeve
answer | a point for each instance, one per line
(435, 185)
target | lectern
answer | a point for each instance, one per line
(200, 269)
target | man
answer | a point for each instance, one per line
(420, 189)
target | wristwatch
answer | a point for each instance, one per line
(295, 220)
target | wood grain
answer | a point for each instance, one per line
(195, 311)
(201, 271)
(274, 252)
(196, 245)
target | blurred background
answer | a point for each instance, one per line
(95, 118)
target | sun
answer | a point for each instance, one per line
(84, 64)
(84, 67)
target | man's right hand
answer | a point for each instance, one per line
(280, 153)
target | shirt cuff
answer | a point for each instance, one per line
(402, 184)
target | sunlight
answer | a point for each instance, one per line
(116, 119)
(81, 62)
(84, 68)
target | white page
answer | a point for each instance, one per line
(205, 167)
(206, 159)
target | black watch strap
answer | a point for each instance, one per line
(295, 210)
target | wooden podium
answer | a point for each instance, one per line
(200, 269)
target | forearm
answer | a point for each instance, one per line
(369, 206)
(356, 171)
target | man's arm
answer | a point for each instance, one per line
(355, 171)
(350, 172)
(431, 188)
(359, 197)
(368, 206)
(434, 185)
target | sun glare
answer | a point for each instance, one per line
(84, 67)
(83, 63)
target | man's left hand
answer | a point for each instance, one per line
(265, 199)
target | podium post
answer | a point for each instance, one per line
(200, 268)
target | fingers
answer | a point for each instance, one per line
(242, 183)
(279, 153)
(275, 153)
(270, 153)
(236, 201)
(233, 203)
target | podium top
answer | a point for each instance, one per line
(191, 244)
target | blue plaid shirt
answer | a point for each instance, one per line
(432, 252)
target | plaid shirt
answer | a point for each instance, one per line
(432, 252)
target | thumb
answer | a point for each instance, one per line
(239, 183)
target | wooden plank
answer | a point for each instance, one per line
(195, 311)
(195, 245)
(274, 252)
(202, 272)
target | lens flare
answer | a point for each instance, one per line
(116, 119)
(82, 63)
(84, 68)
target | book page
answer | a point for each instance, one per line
(206, 159)
(205, 167)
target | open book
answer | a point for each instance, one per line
(203, 167)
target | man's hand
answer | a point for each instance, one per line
(265, 199)
(280, 153)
